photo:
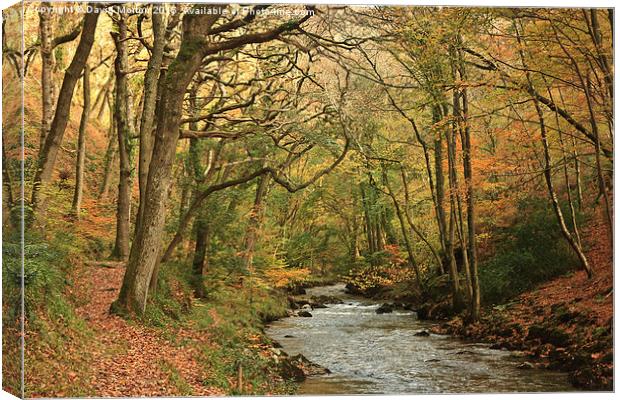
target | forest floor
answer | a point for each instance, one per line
(194, 354)
(137, 360)
(565, 324)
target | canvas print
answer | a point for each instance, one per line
(286, 199)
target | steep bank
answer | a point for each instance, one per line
(566, 324)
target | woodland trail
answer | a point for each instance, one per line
(130, 359)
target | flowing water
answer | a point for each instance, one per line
(370, 353)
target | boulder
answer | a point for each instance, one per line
(325, 299)
(304, 313)
(302, 302)
(292, 303)
(385, 308)
(422, 333)
(297, 290)
(290, 371)
(526, 365)
(308, 367)
(423, 312)
(553, 336)
(352, 289)
(317, 305)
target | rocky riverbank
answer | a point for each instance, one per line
(565, 325)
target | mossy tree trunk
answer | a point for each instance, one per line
(125, 133)
(81, 147)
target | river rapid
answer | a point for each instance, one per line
(370, 353)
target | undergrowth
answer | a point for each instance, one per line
(52, 325)
(233, 316)
(528, 253)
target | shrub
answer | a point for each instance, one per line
(529, 252)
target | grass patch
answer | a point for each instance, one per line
(183, 388)
(52, 325)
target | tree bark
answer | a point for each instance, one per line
(195, 46)
(547, 171)
(125, 133)
(457, 126)
(110, 156)
(474, 309)
(255, 222)
(457, 300)
(151, 78)
(413, 227)
(439, 184)
(47, 66)
(145, 250)
(81, 147)
(53, 141)
(201, 258)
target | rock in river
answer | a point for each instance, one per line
(526, 365)
(304, 314)
(422, 333)
(384, 309)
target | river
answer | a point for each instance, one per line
(370, 353)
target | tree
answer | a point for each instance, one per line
(53, 141)
(81, 146)
(123, 112)
(144, 255)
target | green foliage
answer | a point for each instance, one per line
(171, 301)
(233, 317)
(529, 252)
(45, 277)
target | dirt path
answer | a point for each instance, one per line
(134, 360)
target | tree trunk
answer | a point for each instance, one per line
(81, 147)
(439, 184)
(145, 250)
(110, 156)
(47, 67)
(474, 310)
(547, 164)
(412, 262)
(125, 133)
(457, 126)
(554, 200)
(201, 259)
(457, 300)
(577, 175)
(368, 223)
(151, 78)
(254, 225)
(53, 141)
(413, 227)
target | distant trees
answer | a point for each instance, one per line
(384, 137)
